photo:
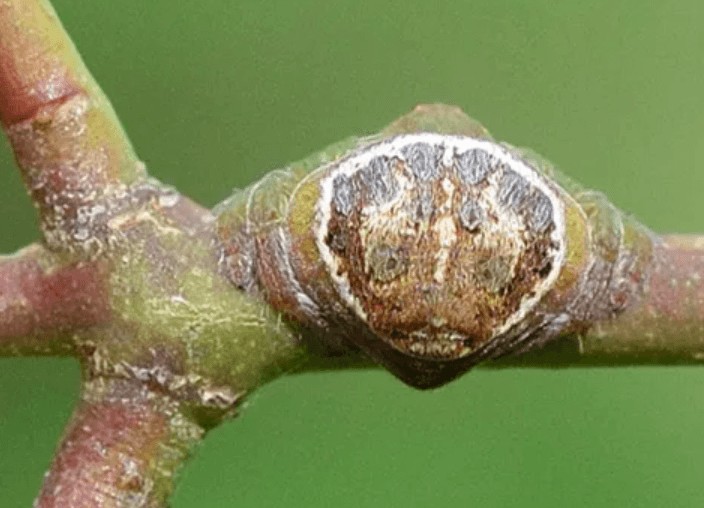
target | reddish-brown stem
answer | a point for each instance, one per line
(42, 300)
(121, 449)
(65, 135)
(37, 67)
(668, 322)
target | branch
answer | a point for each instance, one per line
(122, 448)
(65, 135)
(43, 300)
(667, 323)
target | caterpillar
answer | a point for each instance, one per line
(432, 247)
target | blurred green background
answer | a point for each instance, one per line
(215, 93)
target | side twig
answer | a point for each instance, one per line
(42, 301)
(66, 138)
(120, 449)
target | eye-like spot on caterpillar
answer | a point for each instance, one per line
(513, 190)
(424, 160)
(495, 273)
(387, 263)
(377, 178)
(472, 215)
(473, 166)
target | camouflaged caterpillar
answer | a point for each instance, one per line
(432, 247)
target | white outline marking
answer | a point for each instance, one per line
(392, 148)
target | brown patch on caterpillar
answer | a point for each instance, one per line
(439, 248)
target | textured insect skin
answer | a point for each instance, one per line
(438, 284)
(432, 247)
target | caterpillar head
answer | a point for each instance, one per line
(438, 243)
(439, 246)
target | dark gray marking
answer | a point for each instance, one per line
(474, 165)
(539, 213)
(387, 263)
(379, 181)
(472, 215)
(513, 189)
(344, 195)
(423, 206)
(424, 160)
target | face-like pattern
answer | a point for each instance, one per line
(439, 243)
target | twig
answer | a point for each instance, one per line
(120, 449)
(67, 140)
(43, 301)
